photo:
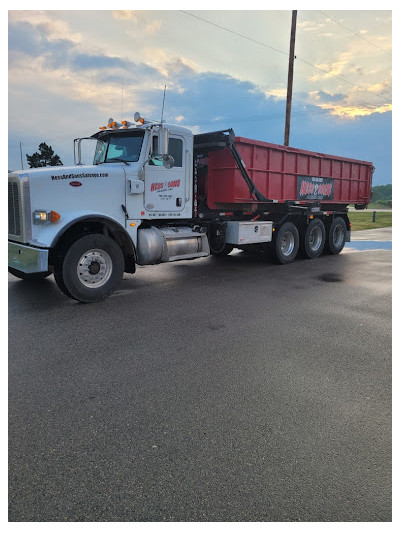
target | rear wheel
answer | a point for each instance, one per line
(33, 276)
(337, 236)
(286, 243)
(91, 269)
(313, 241)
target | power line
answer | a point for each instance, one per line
(235, 33)
(286, 54)
(346, 81)
(355, 33)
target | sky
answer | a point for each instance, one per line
(71, 70)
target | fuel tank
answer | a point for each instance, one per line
(164, 244)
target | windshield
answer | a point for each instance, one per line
(121, 146)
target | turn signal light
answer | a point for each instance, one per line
(54, 216)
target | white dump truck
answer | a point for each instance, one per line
(154, 193)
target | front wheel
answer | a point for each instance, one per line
(91, 269)
(286, 243)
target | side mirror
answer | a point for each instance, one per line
(87, 152)
(168, 161)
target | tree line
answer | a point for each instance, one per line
(382, 195)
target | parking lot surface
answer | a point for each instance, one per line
(227, 389)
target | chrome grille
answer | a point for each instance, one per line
(14, 209)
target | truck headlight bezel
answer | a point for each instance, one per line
(40, 216)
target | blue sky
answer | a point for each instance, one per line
(69, 71)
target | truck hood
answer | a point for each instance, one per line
(63, 172)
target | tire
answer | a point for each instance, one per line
(227, 248)
(286, 243)
(91, 269)
(313, 239)
(60, 281)
(336, 237)
(35, 276)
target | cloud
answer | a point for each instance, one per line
(332, 68)
(355, 111)
(152, 27)
(345, 105)
(310, 25)
(139, 19)
(125, 15)
(54, 29)
(277, 93)
(322, 96)
(63, 66)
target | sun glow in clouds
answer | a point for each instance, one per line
(354, 111)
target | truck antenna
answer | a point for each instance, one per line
(162, 111)
(122, 100)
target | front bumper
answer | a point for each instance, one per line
(27, 258)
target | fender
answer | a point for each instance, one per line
(113, 226)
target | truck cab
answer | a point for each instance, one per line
(166, 187)
(114, 213)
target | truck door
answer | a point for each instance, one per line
(165, 190)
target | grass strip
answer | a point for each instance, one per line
(364, 220)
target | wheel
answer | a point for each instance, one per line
(313, 241)
(36, 276)
(91, 268)
(58, 276)
(225, 250)
(286, 243)
(337, 236)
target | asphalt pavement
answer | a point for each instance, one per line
(216, 390)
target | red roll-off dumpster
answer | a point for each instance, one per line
(284, 173)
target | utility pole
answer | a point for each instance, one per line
(20, 151)
(290, 78)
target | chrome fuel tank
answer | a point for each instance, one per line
(161, 245)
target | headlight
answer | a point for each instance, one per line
(45, 216)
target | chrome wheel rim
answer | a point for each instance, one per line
(338, 235)
(315, 239)
(94, 268)
(287, 243)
